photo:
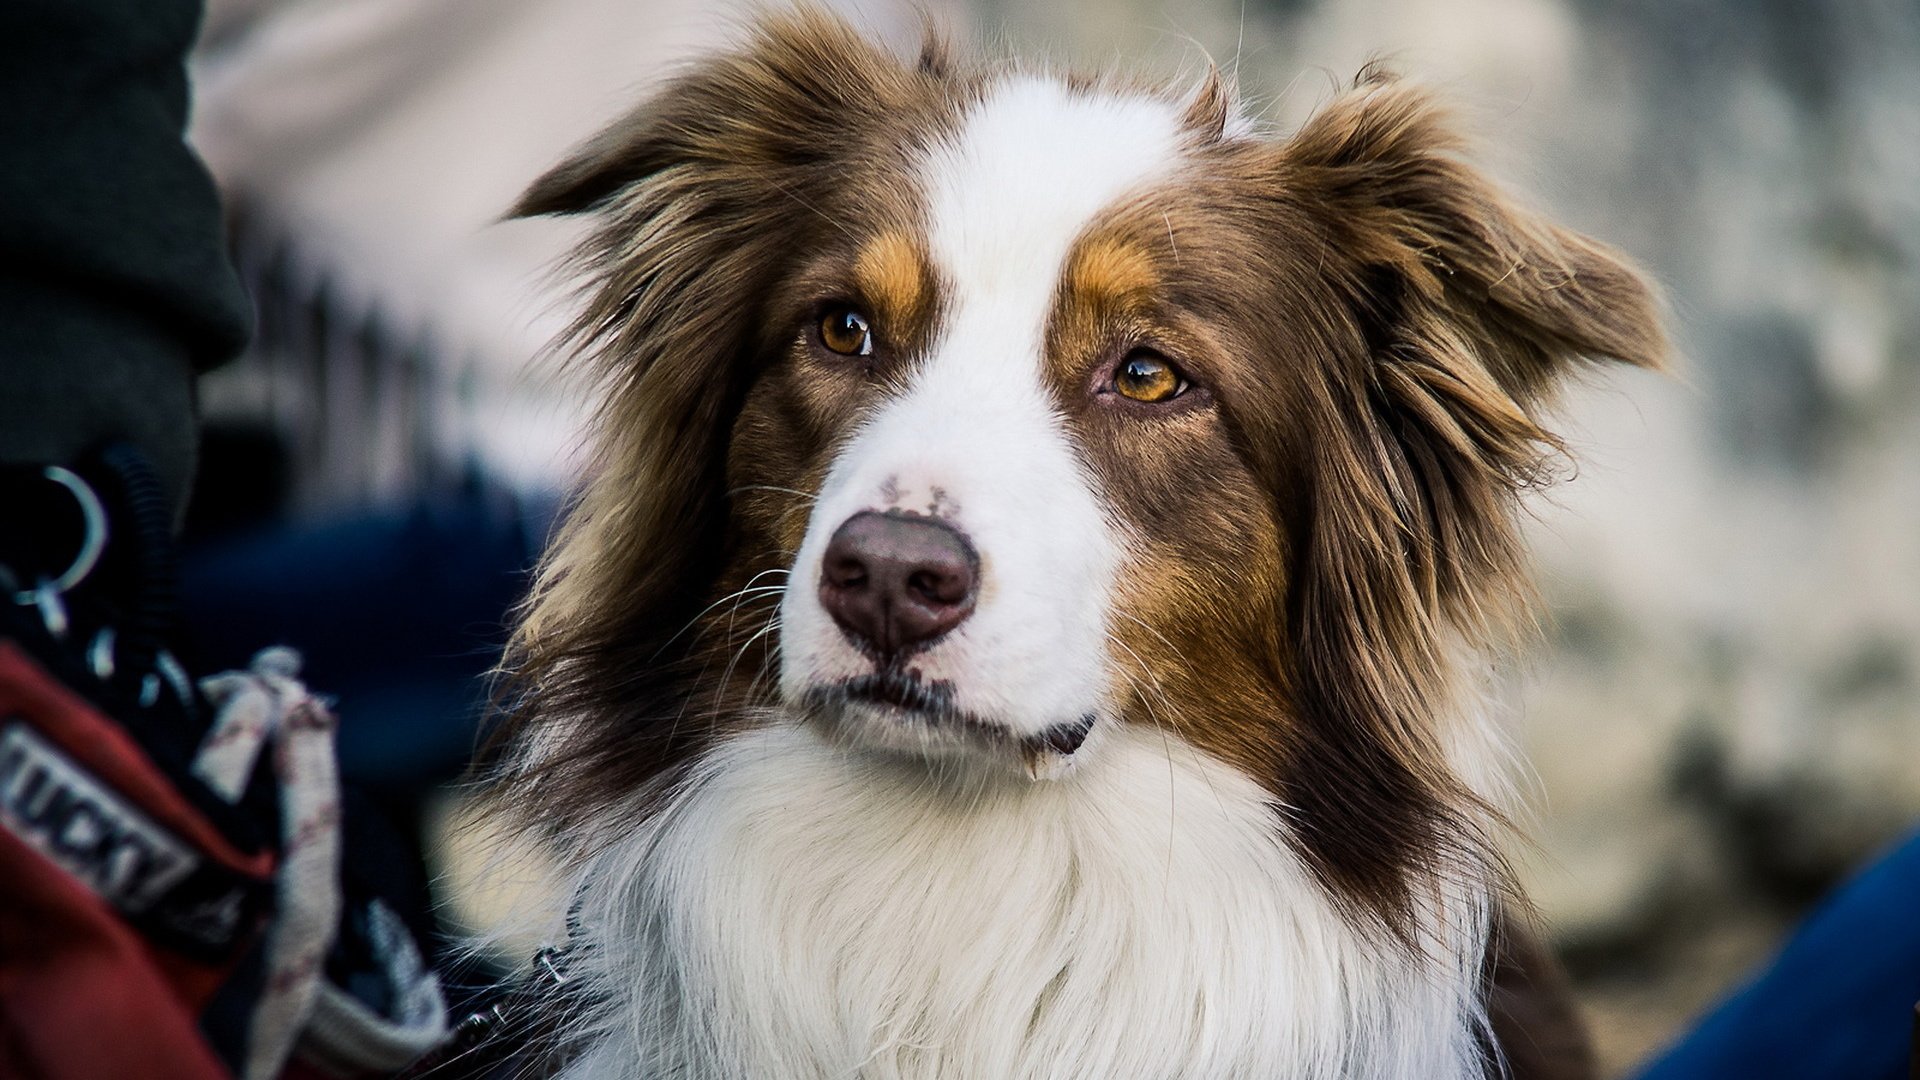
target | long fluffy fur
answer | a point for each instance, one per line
(1077, 931)
(1277, 853)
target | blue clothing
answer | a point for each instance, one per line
(398, 613)
(1835, 1004)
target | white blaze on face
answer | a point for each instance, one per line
(976, 437)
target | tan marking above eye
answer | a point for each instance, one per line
(846, 331)
(891, 274)
(1149, 378)
(1106, 267)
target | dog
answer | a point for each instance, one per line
(1025, 616)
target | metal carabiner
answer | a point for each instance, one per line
(92, 543)
(46, 592)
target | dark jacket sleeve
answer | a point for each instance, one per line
(115, 288)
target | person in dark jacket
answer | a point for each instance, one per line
(115, 287)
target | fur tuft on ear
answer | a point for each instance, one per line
(804, 73)
(1211, 107)
(1465, 311)
(936, 48)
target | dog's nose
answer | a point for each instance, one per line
(894, 581)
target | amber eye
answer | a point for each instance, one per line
(846, 332)
(1146, 377)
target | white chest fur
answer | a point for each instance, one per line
(798, 912)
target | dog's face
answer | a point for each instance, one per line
(965, 415)
(1018, 420)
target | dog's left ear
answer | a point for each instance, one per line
(1469, 310)
(1458, 311)
(1445, 243)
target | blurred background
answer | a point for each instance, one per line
(1722, 714)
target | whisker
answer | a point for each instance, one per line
(769, 657)
(823, 215)
(1166, 746)
(701, 613)
(1168, 702)
(761, 596)
(1151, 629)
(807, 495)
(734, 613)
(772, 625)
(1148, 672)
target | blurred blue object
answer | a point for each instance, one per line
(1835, 1004)
(398, 613)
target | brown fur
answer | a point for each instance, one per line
(1382, 326)
(708, 196)
(1373, 328)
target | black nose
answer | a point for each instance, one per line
(895, 581)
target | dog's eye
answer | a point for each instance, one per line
(1148, 377)
(846, 332)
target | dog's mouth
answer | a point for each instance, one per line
(907, 698)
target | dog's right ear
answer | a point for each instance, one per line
(617, 156)
(775, 104)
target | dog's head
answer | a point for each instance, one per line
(969, 414)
